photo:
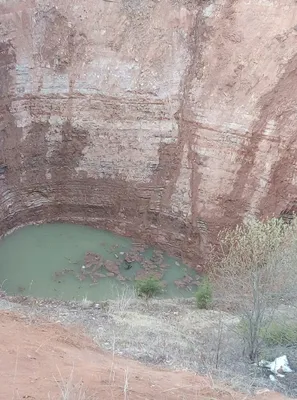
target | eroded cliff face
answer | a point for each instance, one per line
(161, 119)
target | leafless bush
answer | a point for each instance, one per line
(70, 390)
(125, 297)
(213, 346)
(256, 271)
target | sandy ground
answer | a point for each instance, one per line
(44, 360)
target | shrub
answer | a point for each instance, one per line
(255, 272)
(204, 294)
(148, 287)
(277, 333)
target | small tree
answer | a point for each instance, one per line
(148, 287)
(255, 272)
(204, 294)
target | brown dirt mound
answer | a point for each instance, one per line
(37, 358)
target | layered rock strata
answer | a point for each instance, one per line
(163, 120)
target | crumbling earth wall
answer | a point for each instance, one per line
(161, 119)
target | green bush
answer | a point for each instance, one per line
(253, 270)
(204, 294)
(272, 334)
(148, 287)
(280, 334)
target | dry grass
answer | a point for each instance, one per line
(172, 333)
(209, 390)
(86, 303)
(125, 297)
(71, 390)
(161, 332)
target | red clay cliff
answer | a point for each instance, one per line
(162, 120)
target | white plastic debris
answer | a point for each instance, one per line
(278, 367)
(272, 378)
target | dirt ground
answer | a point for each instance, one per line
(44, 360)
(170, 334)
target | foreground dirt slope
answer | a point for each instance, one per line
(177, 113)
(37, 358)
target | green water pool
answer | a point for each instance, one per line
(70, 262)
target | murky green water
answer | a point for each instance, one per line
(69, 261)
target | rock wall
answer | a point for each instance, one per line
(165, 120)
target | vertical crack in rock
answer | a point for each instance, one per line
(280, 105)
(187, 128)
(276, 109)
(169, 171)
